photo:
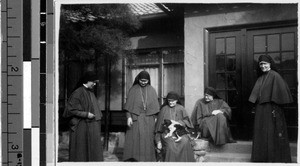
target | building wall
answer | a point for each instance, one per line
(199, 17)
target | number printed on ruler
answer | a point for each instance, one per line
(11, 83)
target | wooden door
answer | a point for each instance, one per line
(232, 64)
(281, 45)
(225, 73)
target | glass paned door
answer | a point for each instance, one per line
(281, 45)
(224, 71)
(233, 57)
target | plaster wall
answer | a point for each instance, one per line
(199, 18)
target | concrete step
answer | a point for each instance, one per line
(231, 152)
(227, 157)
(237, 152)
(238, 147)
(232, 157)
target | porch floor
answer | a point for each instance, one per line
(233, 152)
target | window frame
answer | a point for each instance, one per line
(160, 64)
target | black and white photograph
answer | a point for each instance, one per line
(149, 82)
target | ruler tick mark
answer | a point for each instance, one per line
(13, 36)
(15, 152)
(12, 133)
(5, 132)
(15, 75)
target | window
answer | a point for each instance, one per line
(281, 47)
(166, 69)
(224, 66)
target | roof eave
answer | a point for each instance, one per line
(152, 16)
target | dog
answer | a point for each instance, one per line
(177, 130)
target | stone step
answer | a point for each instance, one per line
(227, 157)
(237, 152)
(243, 147)
(238, 147)
(232, 157)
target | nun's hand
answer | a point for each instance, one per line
(175, 122)
(215, 112)
(159, 145)
(91, 115)
(129, 122)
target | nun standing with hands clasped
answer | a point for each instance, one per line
(141, 109)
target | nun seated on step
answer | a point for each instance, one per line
(211, 115)
(169, 148)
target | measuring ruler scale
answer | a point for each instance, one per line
(12, 82)
(15, 81)
(23, 65)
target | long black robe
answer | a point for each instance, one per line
(180, 151)
(270, 140)
(215, 126)
(139, 138)
(85, 134)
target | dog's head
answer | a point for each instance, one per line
(167, 122)
(165, 126)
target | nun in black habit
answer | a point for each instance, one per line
(270, 93)
(84, 113)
